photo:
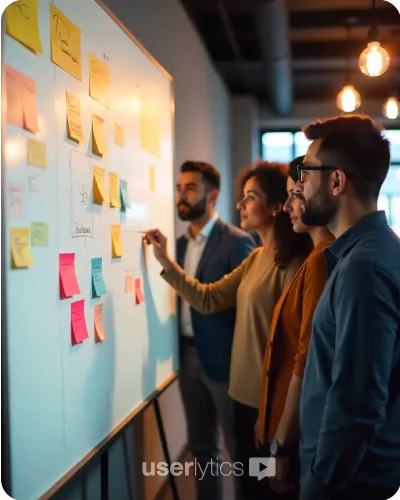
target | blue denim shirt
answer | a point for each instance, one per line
(350, 403)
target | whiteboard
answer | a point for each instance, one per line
(64, 398)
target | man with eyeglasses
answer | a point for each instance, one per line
(350, 404)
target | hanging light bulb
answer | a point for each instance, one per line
(348, 99)
(391, 108)
(374, 60)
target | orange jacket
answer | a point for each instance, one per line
(289, 337)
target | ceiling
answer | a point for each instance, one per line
(296, 49)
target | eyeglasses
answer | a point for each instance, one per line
(302, 168)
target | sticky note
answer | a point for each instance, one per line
(16, 201)
(150, 125)
(37, 155)
(40, 234)
(98, 285)
(35, 187)
(117, 247)
(114, 190)
(65, 39)
(29, 104)
(100, 193)
(119, 136)
(138, 291)
(128, 283)
(99, 332)
(68, 282)
(22, 23)
(124, 195)
(21, 255)
(79, 331)
(15, 109)
(99, 145)
(74, 120)
(152, 178)
(99, 80)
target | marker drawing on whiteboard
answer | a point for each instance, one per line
(81, 182)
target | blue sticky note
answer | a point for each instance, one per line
(124, 195)
(98, 285)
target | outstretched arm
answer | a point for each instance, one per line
(205, 298)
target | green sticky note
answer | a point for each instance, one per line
(40, 234)
(124, 195)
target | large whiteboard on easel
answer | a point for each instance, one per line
(64, 398)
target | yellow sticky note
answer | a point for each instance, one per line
(37, 155)
(150, 125)
(65, 40)
(29, 104)
(99, 188)
(114, 190)
(117, 247)
(152, 178)
(119, 136)
(21, 255)
(99, 80)
(74, 120)
(22, 23)
(99, 145)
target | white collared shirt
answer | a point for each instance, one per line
(194, 251)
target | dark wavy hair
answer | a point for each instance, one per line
(271, 178)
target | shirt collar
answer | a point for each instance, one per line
(205, 230)
(348, 239)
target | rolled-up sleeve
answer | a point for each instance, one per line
(314, 281)
(366, 305)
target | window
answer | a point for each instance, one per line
(284, 146)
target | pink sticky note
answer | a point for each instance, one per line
(99, 331)
(15, 110)
(128, 283)
(138, 291)
(29, 104)
(68, 282)
(78, 323)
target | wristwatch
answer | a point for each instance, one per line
(276, 449)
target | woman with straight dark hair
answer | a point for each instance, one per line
(254, 289)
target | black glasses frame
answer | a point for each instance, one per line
(323, 168)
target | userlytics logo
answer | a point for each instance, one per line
(395, 3)
(262, 467)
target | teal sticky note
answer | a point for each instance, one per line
(124, 195)
(98, 285)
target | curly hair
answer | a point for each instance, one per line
(271, 178)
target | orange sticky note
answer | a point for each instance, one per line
(15, 109)
(68, 282)
(114, 190)
(99, 332)
(29, 104)
(117, 247)
(78, 322)
(138, 291)
(128, 283)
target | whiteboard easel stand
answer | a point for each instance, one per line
(101, 450)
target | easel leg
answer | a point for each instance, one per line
(104, 475)
(164, 444)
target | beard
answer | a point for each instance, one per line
(320, 209)
(192, 212)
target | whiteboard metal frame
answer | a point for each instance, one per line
(5, 407)
(101, 449)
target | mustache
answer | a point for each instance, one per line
(183, 203)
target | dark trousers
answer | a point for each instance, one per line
(251, 487)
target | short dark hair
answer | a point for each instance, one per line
(355, 144)
(293, 172)
(272, 177)
(210, 174)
